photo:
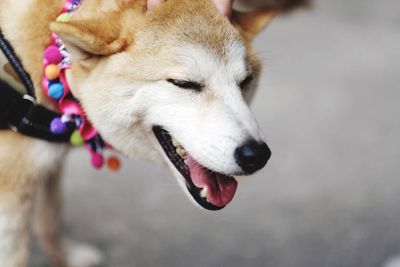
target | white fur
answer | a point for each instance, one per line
(13, 233)
(45, 154)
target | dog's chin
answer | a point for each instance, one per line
(209, 189)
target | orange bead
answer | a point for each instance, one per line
(113, 163)
(52, 72)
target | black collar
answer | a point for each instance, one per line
(20, 112)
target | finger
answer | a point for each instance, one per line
(224, 7)
(151, 4)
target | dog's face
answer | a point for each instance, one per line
(172, 82)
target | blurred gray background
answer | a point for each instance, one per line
(330, 195)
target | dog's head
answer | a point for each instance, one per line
(172, 81)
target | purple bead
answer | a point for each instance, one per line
(52, 55)
(57, 126)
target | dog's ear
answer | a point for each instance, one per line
(252, 22)
(90, 38)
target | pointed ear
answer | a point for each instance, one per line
(90, 38)
(251, 23)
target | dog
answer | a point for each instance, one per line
(171, 84)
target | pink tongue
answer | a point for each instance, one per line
(220, 188)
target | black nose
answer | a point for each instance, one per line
(252, 156)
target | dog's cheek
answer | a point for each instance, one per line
(74, 78)
(118, 115)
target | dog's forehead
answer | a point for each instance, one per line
(201, 47)
(219, 38)
(205, 61)
(197, 22)
(192, 38)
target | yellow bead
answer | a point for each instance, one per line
(76, 138)
(52, 72)
(63, 17)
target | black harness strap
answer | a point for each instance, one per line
(20, 112)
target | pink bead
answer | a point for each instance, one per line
(68, 6)
(53, 55)
(97, 160)
(53, 38)
(45, 84)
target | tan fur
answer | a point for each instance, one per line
(10, 71)
(99, 29)
(8, 75)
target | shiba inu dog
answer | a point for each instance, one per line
(168, 84)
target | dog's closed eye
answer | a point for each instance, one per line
(186, 84)
(243, 84)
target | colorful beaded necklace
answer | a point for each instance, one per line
(73, 119)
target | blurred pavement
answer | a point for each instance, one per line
(330, 196)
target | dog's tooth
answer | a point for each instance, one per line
(181, 152)
(174, 142)
(203, 193)
(184, 153)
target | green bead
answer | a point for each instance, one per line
(76, 138)
(63, 17)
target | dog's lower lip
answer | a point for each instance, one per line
(166, 142)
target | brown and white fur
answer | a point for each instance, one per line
(122, 54)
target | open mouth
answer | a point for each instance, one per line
(211, 190)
